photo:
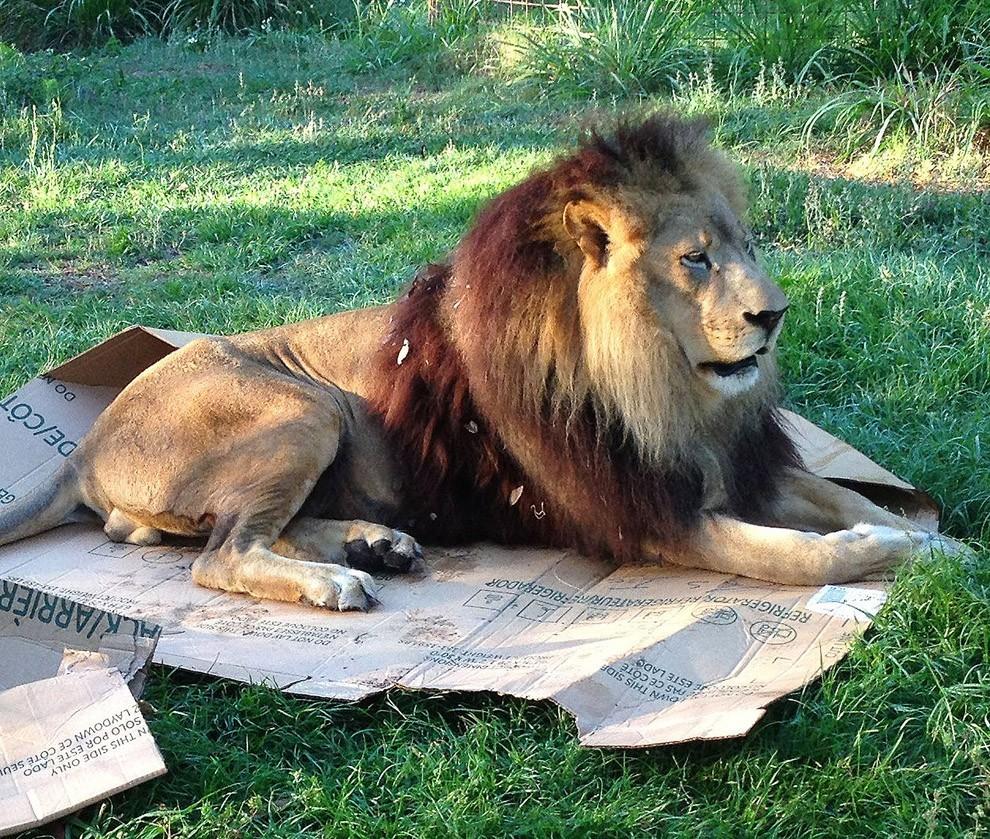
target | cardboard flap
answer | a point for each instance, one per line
(829, 457)
(116, 361)
(69, 741)
(70, 730)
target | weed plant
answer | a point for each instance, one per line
(885, 38)
(609, 48)
(62, 24)
(798, 36)
(928, 110)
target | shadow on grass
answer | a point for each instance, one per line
(790, 208)
(249, 236)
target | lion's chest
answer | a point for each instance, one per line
(715, 467)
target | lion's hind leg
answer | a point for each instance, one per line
(257, 570)
(258, 488)
(120, 527)
(245, 555)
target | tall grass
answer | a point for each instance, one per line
(389, 32)
(886, 37)
(34, 24)
(796, 35)
(247, 15)
(938, 113)
(914, 69)
(628, 47)
(582, 47)
(610, 47)
(37, 24)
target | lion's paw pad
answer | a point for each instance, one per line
(382, 549)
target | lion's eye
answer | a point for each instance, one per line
(697, 260)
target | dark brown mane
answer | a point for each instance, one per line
(454, 468)
(663, 143)
(459, 408)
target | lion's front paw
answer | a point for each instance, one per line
(335, 587)
(938, 543)
(372, 547)
(873, 551)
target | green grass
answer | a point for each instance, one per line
(37, 24)
(250, 182)
(595, 48)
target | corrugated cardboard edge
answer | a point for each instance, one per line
(122, 357)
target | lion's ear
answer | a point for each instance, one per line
(585, 224)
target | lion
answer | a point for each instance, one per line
(592, 367)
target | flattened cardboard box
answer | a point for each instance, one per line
(641, 655)
(71, 732)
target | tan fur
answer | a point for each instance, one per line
(226, 438)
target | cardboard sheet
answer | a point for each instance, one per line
(43, 635)
(68, 741)
(641, 655)
(70, 730)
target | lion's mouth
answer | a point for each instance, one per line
(726, 369)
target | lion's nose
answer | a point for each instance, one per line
(767, 319)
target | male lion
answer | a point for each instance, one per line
(592, 368)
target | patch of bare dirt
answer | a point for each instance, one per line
(79, 278)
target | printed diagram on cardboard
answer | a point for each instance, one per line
(641, 655)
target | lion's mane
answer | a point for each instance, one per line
(507, 428)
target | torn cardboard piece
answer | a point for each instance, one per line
(642, 655)
(71, 732)
(43, 635)
(67, 742)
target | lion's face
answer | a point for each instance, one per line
(689, 268)
(706, 286)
